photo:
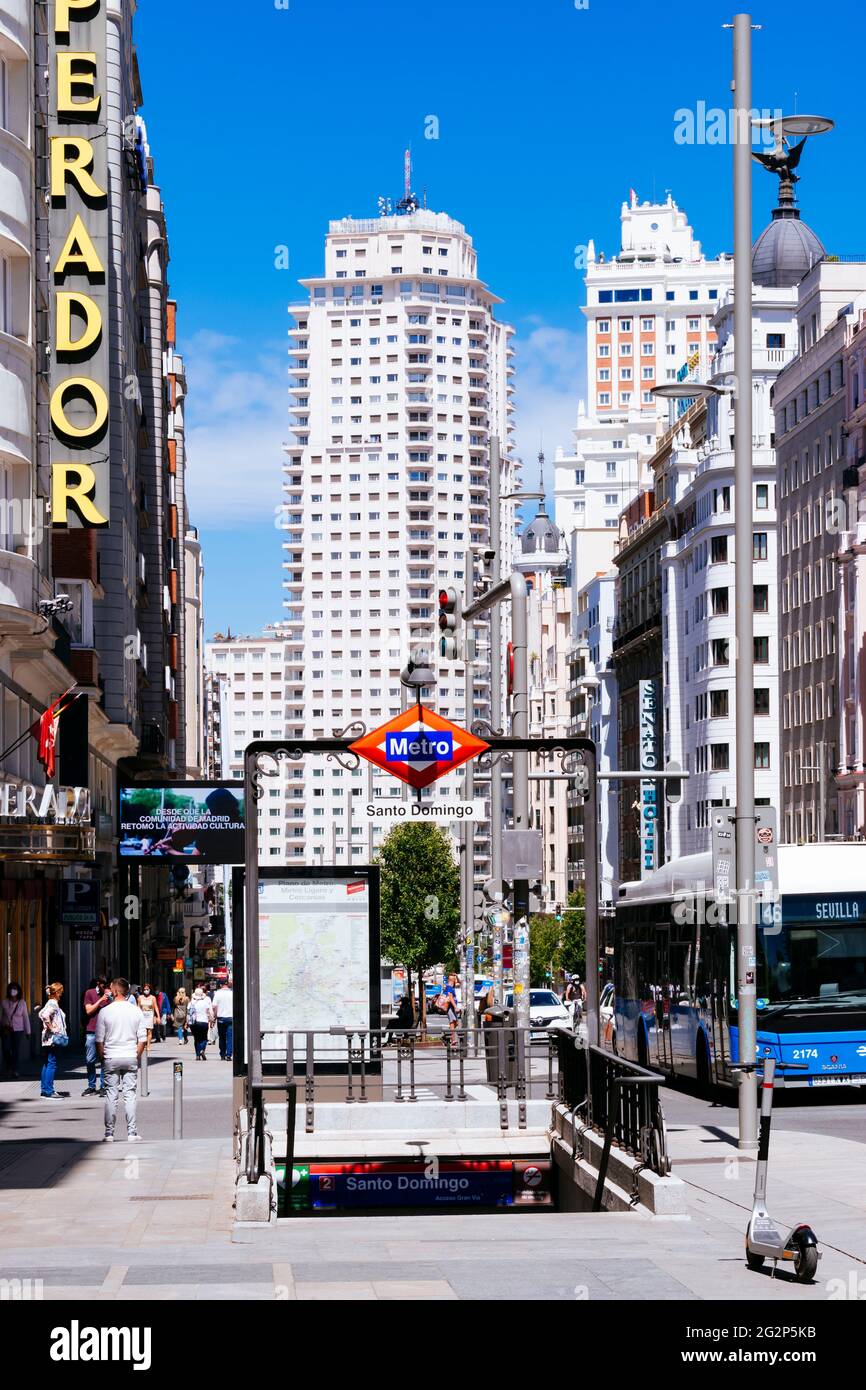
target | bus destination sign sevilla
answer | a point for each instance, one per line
(419, 746)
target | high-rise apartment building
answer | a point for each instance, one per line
(649, 312)
(851, 588)
(400, 376)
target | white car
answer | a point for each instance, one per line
(547, 1014)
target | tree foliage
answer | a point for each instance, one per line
(558, 946)
(420, 896)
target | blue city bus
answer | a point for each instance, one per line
(675, 970)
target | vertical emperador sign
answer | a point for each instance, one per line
(78, 226)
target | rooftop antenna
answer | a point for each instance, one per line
(408, 203)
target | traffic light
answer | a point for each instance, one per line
(449, 621)
(559, 912)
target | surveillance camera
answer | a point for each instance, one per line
(489, 556)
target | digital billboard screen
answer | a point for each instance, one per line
(197, 822)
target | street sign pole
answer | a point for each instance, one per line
(743, 591)
(496, 709)
(467, 935)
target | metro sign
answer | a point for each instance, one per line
(419, 747)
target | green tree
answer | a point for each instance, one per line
(420, 897)
(573, 934)
(544, 949)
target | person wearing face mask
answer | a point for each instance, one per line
(147, 1004)
(14, 1026)
(96, 998)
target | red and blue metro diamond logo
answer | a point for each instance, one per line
(419, 746)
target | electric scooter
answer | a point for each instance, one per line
(764, 1239)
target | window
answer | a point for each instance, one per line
(762, 497)
(762, 701)
(720, 757)
(718, 550)
(775, 340)
(719, 647)
(762, 651)
(762, 755)
(719, 704)
(720, 602)
(759, 545)
(760, 596)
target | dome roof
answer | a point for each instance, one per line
(785, 250)
(541, 535)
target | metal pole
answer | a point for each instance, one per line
(496, 708)
(177, 1102)
(251, 925)
(142, 1066)
(591, 905)
(520, 764)
(467, 863)
(743, 521)
(822, 795)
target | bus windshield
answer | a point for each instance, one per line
(812, 963)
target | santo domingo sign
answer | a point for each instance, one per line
(419, 747)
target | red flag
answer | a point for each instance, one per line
(45, 729)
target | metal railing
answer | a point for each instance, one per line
(359, 1065)
(617, 1099)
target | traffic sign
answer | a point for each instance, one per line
(418, 746)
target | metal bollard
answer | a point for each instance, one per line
(142, 1066)
(177, 1102)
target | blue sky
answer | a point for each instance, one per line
(266, 119)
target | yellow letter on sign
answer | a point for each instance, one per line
(73, 485)
(79, 256)
(72, 160)
(87, 341)
(84, 389)
(67, 10)
(74, 72)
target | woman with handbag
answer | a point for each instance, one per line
(14, 1026)
(147, 1004)
(54, 1037)
(179, 1017)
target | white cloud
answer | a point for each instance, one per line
(236, 423)
(549, 381)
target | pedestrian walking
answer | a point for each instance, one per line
(224, 1012)
(447, 1002)
(200, 1018)
(96, 998)
(121, 1037)
(181, 1014)
(54, 1038)
(164, 1008)
(14, 1026)
(147, 1004)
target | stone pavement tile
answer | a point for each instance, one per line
(215, 1273)
(399, 1290)
(114, 1278)
(631, 1278)
(341, 1292)
(284, 1282)
(159, 1293)
(326, 1271)
(556, 1281)
(56, 1275)
(224, 1293)
(79, 1293)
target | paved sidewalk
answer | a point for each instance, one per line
(154, 1221)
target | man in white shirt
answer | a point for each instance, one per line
(121, 1037)
(223, 1007)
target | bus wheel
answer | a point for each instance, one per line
(702, 1063)
(642, 1048)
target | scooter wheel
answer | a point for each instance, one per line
(806, 1264)
(755, 1262)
